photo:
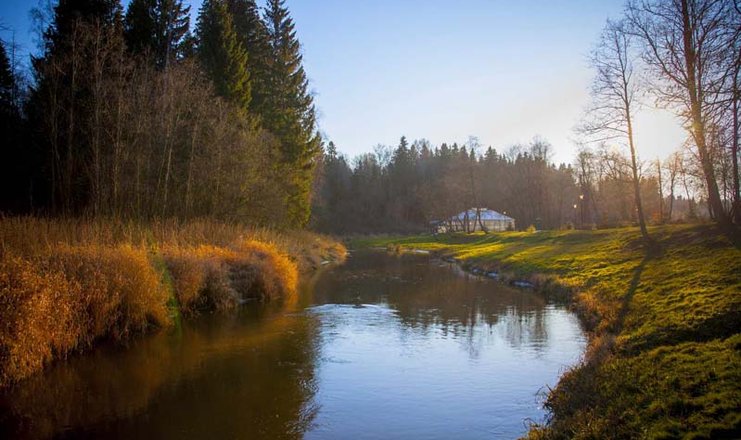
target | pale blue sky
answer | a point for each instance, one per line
(504, 71)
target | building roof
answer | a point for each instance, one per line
(486, 214)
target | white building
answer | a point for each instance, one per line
(481, 219)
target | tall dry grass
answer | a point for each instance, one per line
(53, 304)
(65, 284)
(210, 277)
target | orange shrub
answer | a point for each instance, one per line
(201, 278)
(52, 305)
(121, 292)
(276, 274)
(35, 317)
(209, 277)
(66, 283)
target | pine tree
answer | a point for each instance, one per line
(221, 54)
(139, 26)
(8, 133)
(253, 35)
(69, 13)
(7, 85)
(158, 27)
(289, 111)
(15, 157)
(61, 97)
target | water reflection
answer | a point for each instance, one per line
(437, 296)
(246, 375)
(381, 347)
(413, 348)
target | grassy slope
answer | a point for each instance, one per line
(665, 353)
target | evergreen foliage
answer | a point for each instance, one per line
(221, 54)
(253, 35)
(289, 111)
(403, 189)
(7, 85)
(79, 46)
(13, 157)
(122, 123)
(68, 14)
(158, 28)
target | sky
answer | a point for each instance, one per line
(503, 71)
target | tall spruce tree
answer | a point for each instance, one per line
(62, 94)
(7, 85)
(289, 111)
(69, 13)
(14, 174)
(253, 35)
(221, 54)
(158, 27)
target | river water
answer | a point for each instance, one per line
(381, 347)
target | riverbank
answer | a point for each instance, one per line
(664, 359)
(66, 285)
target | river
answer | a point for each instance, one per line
(380, 347)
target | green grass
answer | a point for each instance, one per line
(664, 357)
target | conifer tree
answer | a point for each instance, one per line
(159, 27)
(252, 33)
(223, 57)
(62, 94)
(7, 85)
(68, 13)
(289, 111)
(13, 176)
(139, 26)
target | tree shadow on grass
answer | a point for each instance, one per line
(652, 251)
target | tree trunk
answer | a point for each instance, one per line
(672, 177)
(661, 193)
(734, 153)
(698, 125)
(188, 195)
(636, 182)
(69, 168)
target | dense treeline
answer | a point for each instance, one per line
(405, 188)
(134, 115)
(682, 55)
(138, 114)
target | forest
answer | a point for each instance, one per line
(405, 188)
(164, 172)
(681, 56)
(138, 115)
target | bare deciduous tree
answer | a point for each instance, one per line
(686, 45)
(614, 100)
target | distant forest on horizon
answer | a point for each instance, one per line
(140, 114)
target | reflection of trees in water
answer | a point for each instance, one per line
(221, 376)
(252, 374)
(430, 297)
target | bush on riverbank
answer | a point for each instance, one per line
(216, 278)
(66, 284)
(52, 305)
(664, 359)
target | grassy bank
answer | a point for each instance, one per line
(67, 284)
(664, 359)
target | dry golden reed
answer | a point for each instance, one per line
(65, 284)
(209, 277)
(65, 301)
